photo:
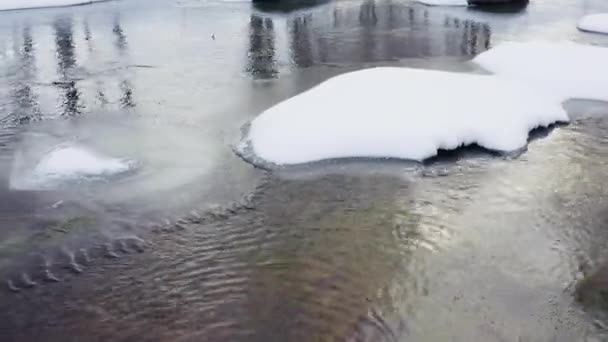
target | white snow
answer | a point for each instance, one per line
(26, 4)
(69, 162)
(444, 2)
(400, 113)
(568, 70)
(594, 23)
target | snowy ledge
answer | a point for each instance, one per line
(412, 113)
(594, 23)
(8, 5)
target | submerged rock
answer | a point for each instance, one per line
(592, 290)
(497, 2)
(285, 5)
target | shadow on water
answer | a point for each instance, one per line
(475, 151)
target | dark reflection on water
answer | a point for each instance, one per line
(380, 32)
(126, 86)
(25, 101)
(126, 100)
(369, 33)
(261, 54)
(66, 60)
(301, 47)
(69, 83)
(506, 8)
(121, 38)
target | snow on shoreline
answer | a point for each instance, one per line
(410, 116)
(412, 113)
(597, 23)
(7, 5)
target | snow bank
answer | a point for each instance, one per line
(568, 70)
(70, 162)
(444, 2)
(26, 4)
(400, 113)
(594, 23)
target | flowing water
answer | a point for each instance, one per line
(194, 244)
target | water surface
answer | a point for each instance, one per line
(470, 246)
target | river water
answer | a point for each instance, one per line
(194, 244)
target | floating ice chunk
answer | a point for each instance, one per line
(74, 161)
(594, 23)
(566, 69)
(444, 2)
(400, 113)
(27, 4)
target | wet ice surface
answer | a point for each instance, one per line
(468, 247)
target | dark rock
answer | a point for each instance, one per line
(496, 2)
(285, 5)
(592, 292)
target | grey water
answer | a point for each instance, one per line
(195, 244)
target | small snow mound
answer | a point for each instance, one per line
(400, 113)
(594, 23)
(569, 70)
(6, 5)
(444, 2)
(69, 162)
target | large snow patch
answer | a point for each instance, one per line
(594, 23)
(444, 2)
(568, 70)
(26, 4)
(400, 113)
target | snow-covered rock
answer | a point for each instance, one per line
(27, 4)
(594, 23)
(444, 2)
(568, 70)
(69, 162)
(35, 169)
(401, 113)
